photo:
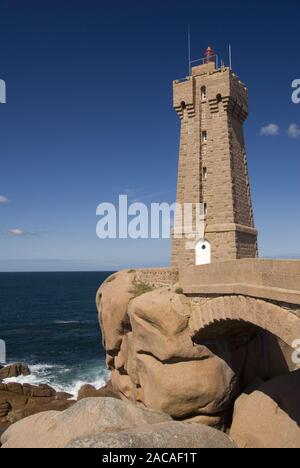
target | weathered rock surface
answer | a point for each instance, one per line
(162, 435)
(88, 417)
(270, 416)
(216, 421)
(185, 388)
(15, 370)
(152, 356)
(88, 391)
(19, 401)
(117, 290)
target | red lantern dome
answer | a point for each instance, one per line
(209, 55)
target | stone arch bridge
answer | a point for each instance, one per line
(243, 294)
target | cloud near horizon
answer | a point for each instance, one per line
(270, 130)
(16, 232)
(293, 131)
(3, 200)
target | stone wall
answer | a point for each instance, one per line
(157, 277)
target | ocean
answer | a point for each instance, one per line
(49, 321)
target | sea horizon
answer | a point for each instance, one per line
(291, 256)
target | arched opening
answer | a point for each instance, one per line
(203, 252)
(249, 334)
(254, 339)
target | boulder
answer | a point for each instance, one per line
(270, 416)
(158, 357)
(15, 388)
(2, 430)
(88, 417)
(15, 370)
(186, 388)
(41, 391)
(5, 408)
(159, 321)
(19, 401)
(88, 391)
(112, 302)
(35, 407)
(162, 435)
(217, 421)
(157, 363)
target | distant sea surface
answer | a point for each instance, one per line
(49, 321)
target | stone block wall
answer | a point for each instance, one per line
(157, 277)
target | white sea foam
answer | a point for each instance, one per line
(62, 378)
(22, 379)
(74, 388)
(66, 322)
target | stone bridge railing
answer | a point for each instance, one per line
(276, 280)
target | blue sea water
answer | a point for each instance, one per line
(49, 321)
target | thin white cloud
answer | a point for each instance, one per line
(293, 131)
(3, 200)
(141, 194)
(149, 196)
(270, 130)
(16, 232)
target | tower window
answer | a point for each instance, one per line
(219, 98)
(203, 93)
(205, 209)
(204, 136)
(204, 173)
(183, 105)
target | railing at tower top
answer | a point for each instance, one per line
(210, 58)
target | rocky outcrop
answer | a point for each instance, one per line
(110, 423)
(118, 290)
(88, 417)
(15, 370)
(162, 435)
(20, 401)
(159, 357)
(270, 416)
(88, 391)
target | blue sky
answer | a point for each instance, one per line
(89, 115)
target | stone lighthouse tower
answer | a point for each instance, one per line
(212, 105)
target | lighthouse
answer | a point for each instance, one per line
(212, 105)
